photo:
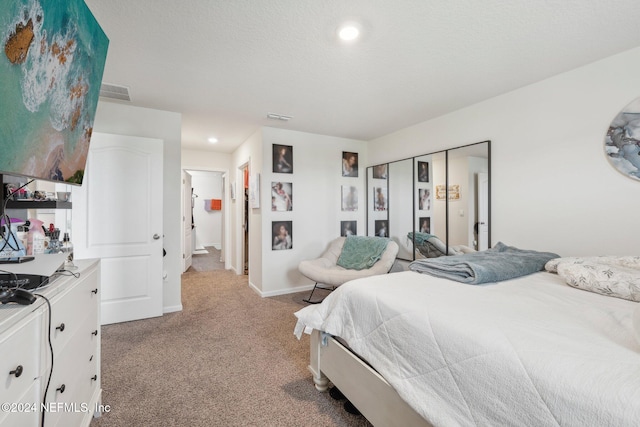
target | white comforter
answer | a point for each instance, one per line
(530, 351)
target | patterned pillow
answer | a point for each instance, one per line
(614, 280)
(623, 261)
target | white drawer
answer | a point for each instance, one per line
(69, 310)
(78, 372)
(20, 355)
(26, 411)
(75, 366)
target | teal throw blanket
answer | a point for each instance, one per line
(421, 238)
(361, 252)
(499, 263)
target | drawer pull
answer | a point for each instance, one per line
(61, 327)
(95, 291)
(94, 378)
(95, 332)
(61, 388)
(17, 372)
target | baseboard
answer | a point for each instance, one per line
(304, 288)
(172, 309)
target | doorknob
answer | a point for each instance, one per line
(156, 237)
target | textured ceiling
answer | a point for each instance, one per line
(225, 64)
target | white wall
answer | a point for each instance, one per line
(205, 160)
(207, 186)
(124, 119)
(316, 215)
(552, 186)
(249, 153)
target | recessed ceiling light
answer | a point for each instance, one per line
(349, 31)
(212, 140)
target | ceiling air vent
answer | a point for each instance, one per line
(115, 92)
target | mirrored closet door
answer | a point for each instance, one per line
(432, 205)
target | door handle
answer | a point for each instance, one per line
(156, 237)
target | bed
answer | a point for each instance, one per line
(412, 349)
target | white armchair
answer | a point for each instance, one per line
(328, 275)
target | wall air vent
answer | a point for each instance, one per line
(120, 93)
(281, 117)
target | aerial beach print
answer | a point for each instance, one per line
(51, 68)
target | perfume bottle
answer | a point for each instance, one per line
(67, 248)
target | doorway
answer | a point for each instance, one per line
(207, 206)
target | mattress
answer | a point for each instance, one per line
(530, 351)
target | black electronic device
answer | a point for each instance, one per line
(16, 260)
(18, 296)
(24, 281)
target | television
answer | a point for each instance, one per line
(51, 65)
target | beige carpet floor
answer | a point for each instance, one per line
(228, 359)
(206, 261)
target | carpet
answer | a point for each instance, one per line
(228, 359)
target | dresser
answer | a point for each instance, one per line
(66, 336)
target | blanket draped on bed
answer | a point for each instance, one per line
(360, 252)
(499, 263)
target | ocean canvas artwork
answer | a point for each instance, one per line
(51, 68)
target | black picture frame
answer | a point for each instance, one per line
(381, 227)
(349, 164)
(423, 171)
(380, 171)
(348, 228)
(424, 199)
(281, 196)
(424, 224)
(281, 239)
(282, 158)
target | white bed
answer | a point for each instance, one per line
(530, 351)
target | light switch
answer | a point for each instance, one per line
(461, 212)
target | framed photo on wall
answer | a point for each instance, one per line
(281, 235)
(349, 198)
(381, 228)
(380, 198)
(348, 228)
(425, 224)
(282, 158)
(424, 199)
(380, 171)
(349, 164)
(281, 196)
(423, 171)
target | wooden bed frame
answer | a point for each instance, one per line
(361, 384)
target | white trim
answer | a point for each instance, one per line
(277, 292)
(171, 309)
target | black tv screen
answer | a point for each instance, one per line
(51, 66)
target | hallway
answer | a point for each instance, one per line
(206, 261)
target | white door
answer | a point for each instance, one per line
(483, 211)
(187, 221)
(118, 218)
